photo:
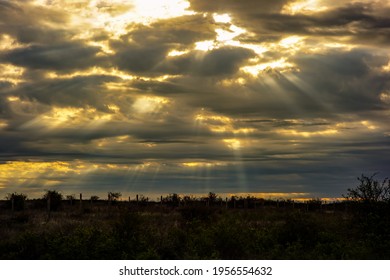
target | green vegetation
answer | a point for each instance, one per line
(204, 228)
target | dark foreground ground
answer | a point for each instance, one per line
(154, 231)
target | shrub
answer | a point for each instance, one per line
(55, 199)
(172, 200)
(113, 196)
(18, 200)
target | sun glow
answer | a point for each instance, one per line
(69, 117)
(149, 10)
(291, 42)
(50, 174)
(369, 125)
(222, 18)
(16, 173)
(3, 124)
(205, 45)
(233, 144)
(93, 71)
(385, 97)
(308, 134)
(149, 104)
(221, 124)
(177, 52)
(196, 164)
(8, 43)
(303, 7)
(11, 73)
(114, 16)
(225, 37)
(280, 64)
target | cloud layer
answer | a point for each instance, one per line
(191, 97)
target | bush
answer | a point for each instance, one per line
(18, 200)
(55, 199)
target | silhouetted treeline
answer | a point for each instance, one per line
(55, 201)
(187, 227)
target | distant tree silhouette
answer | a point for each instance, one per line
(18, 200)
(370, 190)
(55, 199)
(172, 200)
(71, 198)
(212, 198)
(114, 196)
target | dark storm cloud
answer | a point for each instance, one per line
(222, 61)
(79, 91)
(325, 85)
(364, 23)
(176, 32)
(31, 24)
(140, 59)
(349, 81)
(237, 7)
(153, 60)
(144, 49)
(312, 127)
(62, 57)
(358, 21)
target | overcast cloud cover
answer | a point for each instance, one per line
(154, 97)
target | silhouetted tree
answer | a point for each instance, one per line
(370, 190)
(212, 198)
(71, 198)
(55, 199)
(114, 196)
(172, 200)
(18, 200)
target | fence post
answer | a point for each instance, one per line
(13, 204)
(48, 205)
(137, 199)
(81, 201)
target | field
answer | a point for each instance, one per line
(239, 229)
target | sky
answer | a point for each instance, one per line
(278, 98)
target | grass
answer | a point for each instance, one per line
(197, 231)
